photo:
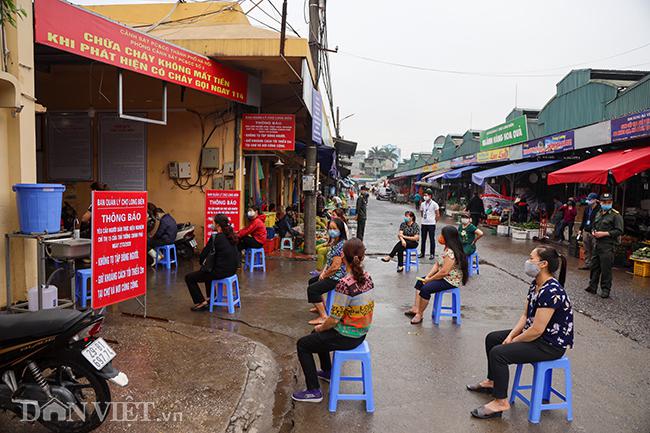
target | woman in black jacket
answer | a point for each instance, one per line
(219, 259)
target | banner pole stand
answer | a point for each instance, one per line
(143, 305)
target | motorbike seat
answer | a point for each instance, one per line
(36, 324)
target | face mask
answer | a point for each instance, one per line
(407, 219)
(605, 207)
(464, 220)
(427, 198)
(334, 233)
(531, 269)
(250, 214)
(441, 240)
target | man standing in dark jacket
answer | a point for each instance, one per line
(362, 212)
(476, 209)
(607, 227)
(588, 217)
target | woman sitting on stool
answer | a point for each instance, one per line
(449, 272)
(219, 259)
(345, 329)
(254, 234)
(409, 235)
(333, 272)
(543, 332)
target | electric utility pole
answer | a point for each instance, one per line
(310, 196)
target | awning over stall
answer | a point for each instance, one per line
(622, 164)
(455, 174)
(517, 167)
(434, 176)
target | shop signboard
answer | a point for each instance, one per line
(269, 132)
(462, 161)
(316, 118)
(70, 28)
(506, 134)
(547, 145)
(222, 201)
(631, 126)
(119, 246)
(495, 155)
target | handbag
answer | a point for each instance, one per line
(208, 263)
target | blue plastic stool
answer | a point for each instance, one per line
(166, 252)
(411, 258)
(439, 309)
(329, 302)
(541, 389)
(286, 243)
(228, 299)
(82, 286)
(360, 353)
(251, 259)
(472, 264)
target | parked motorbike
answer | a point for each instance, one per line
(54, 369)
(185, 241)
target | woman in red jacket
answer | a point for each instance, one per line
(254, 234)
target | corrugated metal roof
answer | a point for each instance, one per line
(633, 99)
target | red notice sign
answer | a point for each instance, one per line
(221, 201)
(73, 29)
(269, 132)
(119, 246)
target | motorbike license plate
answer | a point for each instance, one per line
(98, 353)
(193, 243)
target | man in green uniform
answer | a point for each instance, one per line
(607, 227)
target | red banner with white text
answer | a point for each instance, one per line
(119, 246)
(222, 201)
(73, 29)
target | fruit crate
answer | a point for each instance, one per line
(641, 268)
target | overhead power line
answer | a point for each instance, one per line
(519, 74)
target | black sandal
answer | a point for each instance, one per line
(383, 259)
(479, 388)
(200, 308)
(409, 313)
(482, 413)
(418, 322)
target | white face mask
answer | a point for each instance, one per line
(464, 220)
(531, 269)
(427, 198)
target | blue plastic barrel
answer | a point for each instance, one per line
(39, 206)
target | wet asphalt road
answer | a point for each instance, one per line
(419, 372)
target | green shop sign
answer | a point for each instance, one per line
(506, 134)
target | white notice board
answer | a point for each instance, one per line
(122, 153)
(69, 148)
